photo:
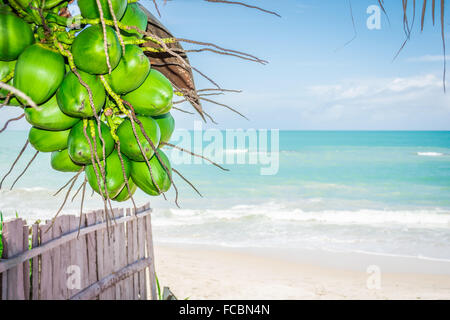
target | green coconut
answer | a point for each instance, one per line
(140, 174)
(61, 161)
(48, 141)
(128, 143)
(134, 16)
(49, 116)
(15, 36)
(153, 97)
(124, 195)
(166, 125)
(78, 145)
(131, 71)
(90, 10)
(89, 53)
(166, 109)
(73, 97)
(39, 72)
(113, 174)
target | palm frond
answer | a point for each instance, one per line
(409, 26)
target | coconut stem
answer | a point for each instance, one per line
(155, 150)
(81, 206)
(187, 181)
(116, 139)
(22, 13)
(64, 202)
(102, 167)
(24, 170)
(68, 182)
(19, 94)
(119, 35)
(151, 49)
(11, 120)
(8, 77)
(127, 184)
(128, 113)
(93, 149)
(105, 40)
(195, 155)
(85, 124)
(14, 163)
(78, 190)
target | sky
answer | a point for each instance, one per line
(313, 80)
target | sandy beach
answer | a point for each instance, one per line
(217, 273)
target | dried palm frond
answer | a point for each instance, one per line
(408, 26)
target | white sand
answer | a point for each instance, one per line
(210, 273)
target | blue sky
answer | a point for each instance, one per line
(312, 82)
(308, 83)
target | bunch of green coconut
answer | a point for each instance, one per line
(98, 108)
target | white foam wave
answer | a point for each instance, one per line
(430, 154)
(436, 218)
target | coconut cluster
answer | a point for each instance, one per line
(101, 107)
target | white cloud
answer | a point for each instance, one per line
(364, 89)
(428, 58)
(416, 102)
(399, 103)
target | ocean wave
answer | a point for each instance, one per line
(430, 154)
(26, 190)
(439, 218)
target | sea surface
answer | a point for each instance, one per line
(374, 192)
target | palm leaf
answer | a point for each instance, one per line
(408, 27)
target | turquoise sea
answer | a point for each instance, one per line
(377, 192)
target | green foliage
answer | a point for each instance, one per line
(160, 297)
(161, 292)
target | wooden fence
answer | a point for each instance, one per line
(91, 264)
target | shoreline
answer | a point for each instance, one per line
(207, 272)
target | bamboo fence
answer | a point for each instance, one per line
(92, 262)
